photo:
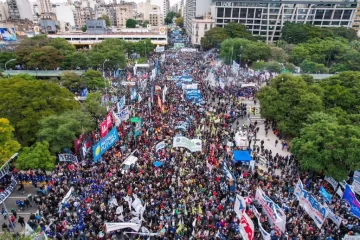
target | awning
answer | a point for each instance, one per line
(242, 156)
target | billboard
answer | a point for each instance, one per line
(8, 34)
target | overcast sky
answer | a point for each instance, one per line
(155, 2)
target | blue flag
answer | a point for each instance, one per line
(350, 197)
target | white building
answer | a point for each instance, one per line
(155, 17)
(4, 11)
(19, 9)
(65, 14)
(195, 8)
(267, 18)
(44, 6)
(200, 25)
(166, 7)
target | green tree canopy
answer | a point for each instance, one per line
(25, 102)
(6, 56)
(60, 131)
(36, 156)
(8, 145)
(170, 16)
(325, 146)
(93, 105)
(238, 30)
(131, 23)
(93, 80)
(72, 81)
(180, 22)
(214, 37)
(250, 51)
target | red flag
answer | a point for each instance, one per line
(109, 120)
(247, 225)
(103, 128)
(77, 145)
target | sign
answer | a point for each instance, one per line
(8, 34)
(314, 209)
(124, 114)
(160, 145)
(135, 119)
(4, 172)
(337, 220)
(239, 205)
(272, 210)
(36, 30)
(179, 45)
(159, 49)
(190, 86)
(103, 128)
(128, 83)
(110, 227)
(193, 145)
(246, 227)
(105, 143)
(109, 120)
(162, 30)
(327, 196)
(349, 196)
(67, 158)
(332, 181)
(5, 194)
(121, 103)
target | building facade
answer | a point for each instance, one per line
(266, 18)
(166, 7)
(4, 12)
(200, 25)
(123, 13)
(195, 8)
(356, 20)
(19, 9)
(44, 6)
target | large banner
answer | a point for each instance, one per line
(239, 205)
(105, 143)
(246, 227)
(193, 145)
(4, 172)
(121, 104)
(5, 194)
(327, 196)
(160, 145)
(314, 209)
(265, 235)
(65, 157)
(103, 128)
(109, 120)
(110, 227)
(349, 196)
(272, 210)
(124, 114)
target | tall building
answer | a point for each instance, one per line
(65, 14)
(267, 17)
(19, 9)
(44, 6)
(155, 17)
(4, 12)
(356, 20)
(124, 11)
(200, 26)
(195, 8)
(166, 7)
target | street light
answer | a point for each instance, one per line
(106, 60)
(11, 60)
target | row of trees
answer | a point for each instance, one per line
(41, 52)
(323, 117)
(43, 118)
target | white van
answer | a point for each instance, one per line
(125, 166)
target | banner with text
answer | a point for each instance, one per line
(105, 143)
(193, 145)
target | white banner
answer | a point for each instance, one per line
(128, 83)
(314, 209)
(67, 157)
(340, 192)
(246, 227)
(332, 182)
(5, 194)
(193, 145)
(110, 227)
(124, 114)
(121, 104)
(190, 86)
(337, 220)
(66, 198)
(160, 145)
(264, 233)
(272, 210)
(4, 172)
(239, 205)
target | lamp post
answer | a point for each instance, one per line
(106, 60)
(11, 60)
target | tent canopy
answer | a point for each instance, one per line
(242, 156)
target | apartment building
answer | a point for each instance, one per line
(123, 11)
(266, 18)
(44, 6)
(200, 26)
(19, 9)
(195, 8)
(166, 7)
(4, 12)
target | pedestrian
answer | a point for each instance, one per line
(13, 219)
(276, 142)
(21, 220)
(27, 203)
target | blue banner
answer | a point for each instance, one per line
(193, 95)
(327, 196)
(105, 144)
(121, 103)
(350, 197)
(84, 92)
(133, 94)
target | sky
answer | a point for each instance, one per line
(155, 2)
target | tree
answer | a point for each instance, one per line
(84, 28)
(238, 30)
(311, 67)
(78, 59)
(93, 105)
(8, 145)
(278, 54)
(130, 23)
(25, 102)
(107, 20)
(72, 81)
(180, 22)
(299, 54)
(36, 156)
(326, 146)
(6, 56)
(170, 16)
(214, 37)
(60, 131)
(93, 80)
(62, 45)
(46, 57)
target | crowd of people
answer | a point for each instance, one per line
(187, 196)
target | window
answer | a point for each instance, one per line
(236, 12)
(335, 23)
(227, 12)
(344, 23)
(220, 12)
(347, 14)
(337, 14)
(319, 14)
(251, 12)
(197, 40)
(243, 13)
(328, 14)
(258, 13)
(205, 26)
